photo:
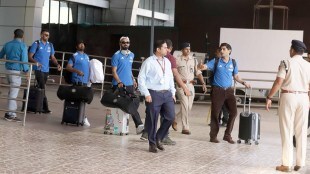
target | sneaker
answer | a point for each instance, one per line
(86, 123)
(11, 118)
(140, 129)
(168, 141)
(144, 136)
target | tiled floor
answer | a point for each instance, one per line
(46, 146)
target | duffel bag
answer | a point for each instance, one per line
(75, 93)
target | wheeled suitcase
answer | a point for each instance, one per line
(249, 124)
(74, 113)
(35, 99)
(117, 122)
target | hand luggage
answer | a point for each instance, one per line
(75, 93)
(249, 124)
(35, 99)
(74, 113)
(116, 122)
(121, 99)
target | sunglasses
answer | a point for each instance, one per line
(125, 42)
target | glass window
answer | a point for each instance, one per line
(73, 12)
(97, 16)
(81, 14)
(54, 18)
(64, 12)
(89, 15)
(45, 11)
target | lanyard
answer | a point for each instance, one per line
(162, 67)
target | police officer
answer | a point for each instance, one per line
(293, 79)
(187, 68)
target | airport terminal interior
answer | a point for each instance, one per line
(44, 145)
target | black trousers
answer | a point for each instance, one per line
(135, 116)
(41, 78)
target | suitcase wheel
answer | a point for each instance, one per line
(121, 134)
(77, 124)
(105, 132)
(256, 143)
(238, 141)
(248, 142)
(126, 133)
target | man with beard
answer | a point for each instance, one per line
(122, 75)
(41, 52)
(78, 64)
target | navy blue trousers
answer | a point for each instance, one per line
(162, 102)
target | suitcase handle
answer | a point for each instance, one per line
(250, 99)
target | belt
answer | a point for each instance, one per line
(161, 91)
(189, 81)
(222, 87)
(294, 92)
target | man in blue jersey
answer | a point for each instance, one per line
(222, 92)
(15, 50)
(78, 64)
(41, 51)
(122, 75)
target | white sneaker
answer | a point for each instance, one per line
(86, 123)
(140, 129)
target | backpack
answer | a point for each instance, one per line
(211, 76)
(96, 71)
(68, 74)
(38, 46)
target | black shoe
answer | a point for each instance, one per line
(159, 145)
(47, 112)
(152, 148)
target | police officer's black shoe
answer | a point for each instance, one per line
(152, 148)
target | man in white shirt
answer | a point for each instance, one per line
(157, 85)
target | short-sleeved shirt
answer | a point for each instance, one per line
(187, 68)
(297, 77)
(172, 60)
(81, 63)
(123, 63)
(15, 50)
(42, 54)
(223, 76)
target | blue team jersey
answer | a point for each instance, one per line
(224, 72)
(42, 54)
(123, 64)
(15, 50)
(81, 63)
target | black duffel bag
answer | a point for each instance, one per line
(121, 99)
(75, 93)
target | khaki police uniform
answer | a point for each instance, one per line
(186, 69)
(294, 108)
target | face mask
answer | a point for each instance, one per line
(125, 52)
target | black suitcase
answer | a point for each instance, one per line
(74, 113)
(249, 124)
(35, 99)
(75, 93)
